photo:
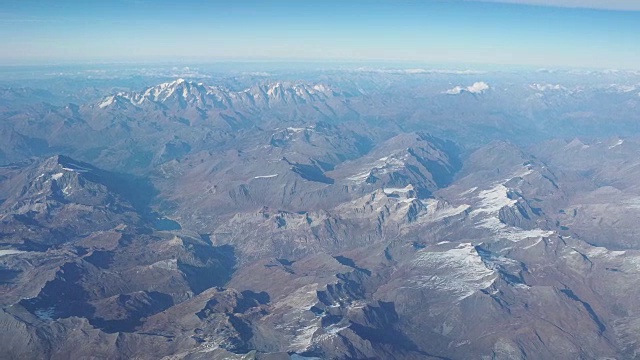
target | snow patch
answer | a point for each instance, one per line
(272, 90)
(67, 190)
(265, 176)
(438, 210)
(492, 200)
(618, 143)
(304, 337)
(381, 166)
(78, 169)
(597, 251)
(300, 300)
(487, 214)
(476, 88)
(459, 271)
(538, 241)
(106, 102)
(321, 88)
(403, 190)
(171, 264)
(10, 252)
(473, 189)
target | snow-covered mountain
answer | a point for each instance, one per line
(185, 94)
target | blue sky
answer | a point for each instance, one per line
(599, 33)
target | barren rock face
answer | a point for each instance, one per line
(302, 220)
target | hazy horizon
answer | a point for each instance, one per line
(598, 34)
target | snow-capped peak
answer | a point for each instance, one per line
(477, 88)
(186, 93)
(273, 90)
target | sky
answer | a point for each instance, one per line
(544, 33)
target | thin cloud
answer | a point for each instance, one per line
(620, 5)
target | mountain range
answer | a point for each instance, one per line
(338, 218)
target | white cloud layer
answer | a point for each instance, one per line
(476, 88)
(625, 5)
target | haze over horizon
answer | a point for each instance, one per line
(599, 34)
